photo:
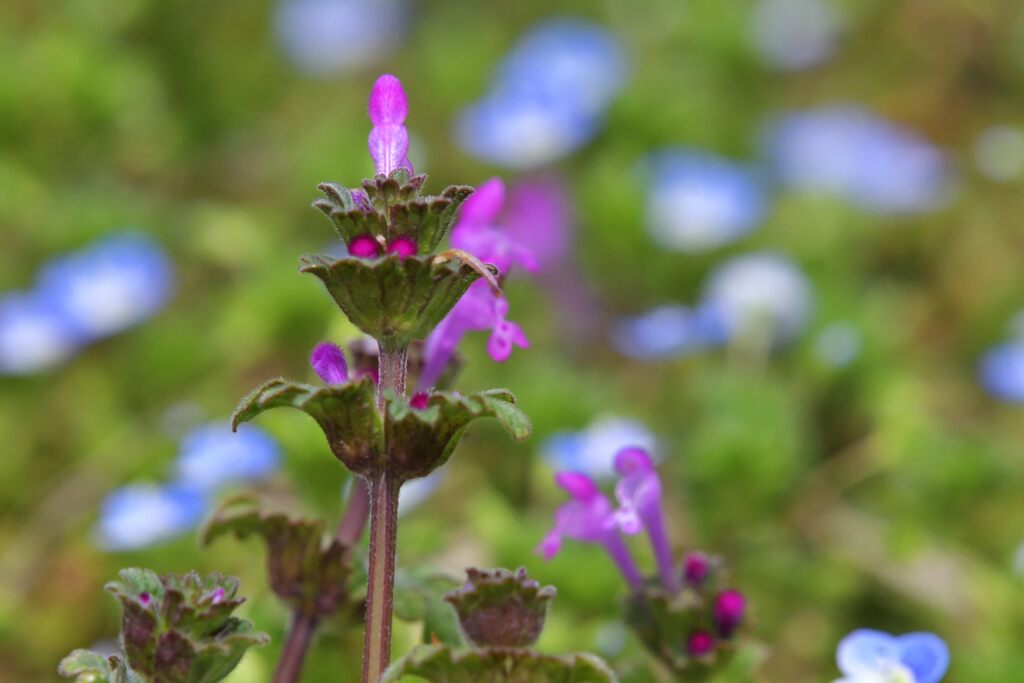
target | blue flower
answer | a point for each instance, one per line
(109, 286)
(668, 332)
(548, 96)
(321, 37)
(867, 656)
(698, 201)
(140, 515)
(760, 294)
(592, 450)
(1001, 371)
(212, 456)
(792, 35)
(34, 335)
(850, 152)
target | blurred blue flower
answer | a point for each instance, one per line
(867, 656)
(668, 332)
(321, 37)
(109, 286)
(758, 294)
(548, 96)
(838, 344)
(592, 450)
(850, 152)
(34, 335)
(999, 153)
(792, 35)
(697, 201)
(1001, 371)
(140, 515)
(212, 456)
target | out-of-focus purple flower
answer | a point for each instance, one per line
(696, 568)
(539, 217)
(999, 153)
(212, 456)
(697, 201)
(592, 450)
(700, 643)
(838, 344)
(109, 286)
(35, 335)
(792, 35)
(760, 295)
(479, 308)
(669, 332)
(389, 140)
(1001, 371)
(588, 517)
(548, 96)
(140, 515)
(867, 656)
(322, 37)
(730, 608)
(850, 152)
(639, 494)
(329, 363)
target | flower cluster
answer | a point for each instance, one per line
(707, 621)
(548, 96)
(80, 298)
(210, 459)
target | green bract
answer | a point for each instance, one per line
(499, 608)
(407, 442)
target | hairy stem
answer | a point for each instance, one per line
(380, 589)
(290, 666)
(383, 488)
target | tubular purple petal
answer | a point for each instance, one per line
(639, 495)
(388, 102)
(389, 145)
(329, 363)
(484, 205)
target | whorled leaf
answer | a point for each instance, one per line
(394, 300)
(501, 608)
(307, 569)
(443, 664)
(346, 413)
(421, 440)
(86, 666)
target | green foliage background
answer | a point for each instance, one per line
(887, 494)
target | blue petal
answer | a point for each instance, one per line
(925, 654)
(1001, 372)
(866, 652)
(212, 456)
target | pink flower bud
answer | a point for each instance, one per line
(700, 643)
(696, 568)
(729, 609)
(364, 246)
(403, 246)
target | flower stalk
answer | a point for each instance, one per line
(289, 667)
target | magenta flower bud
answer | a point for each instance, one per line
(420, 400)
(329, 363)
(700, 643)
(145, 599)
(403, 246)
(389, 140)
(364, 246)
(729, 609)
(696, 568)
(217, 597)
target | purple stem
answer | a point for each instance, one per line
(289, 667)
(620, 554)
(383, 486)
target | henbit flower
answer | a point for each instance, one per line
(588, 517)
(868, 656)
(538, 215)
(639, 494)
(329, 363)
(479, 308)
(700, 643)
(730, 607)
(389, 140)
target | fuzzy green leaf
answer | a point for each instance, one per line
(443, 664)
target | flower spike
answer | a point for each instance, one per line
(389, 140)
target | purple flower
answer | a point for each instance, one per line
(389, 140)
(639, 496)
(589, 518)
(329, 363)
(538, 216)
(700, 643)
(867, 656)
(730, 607)
(696, 568)
(479, 308)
